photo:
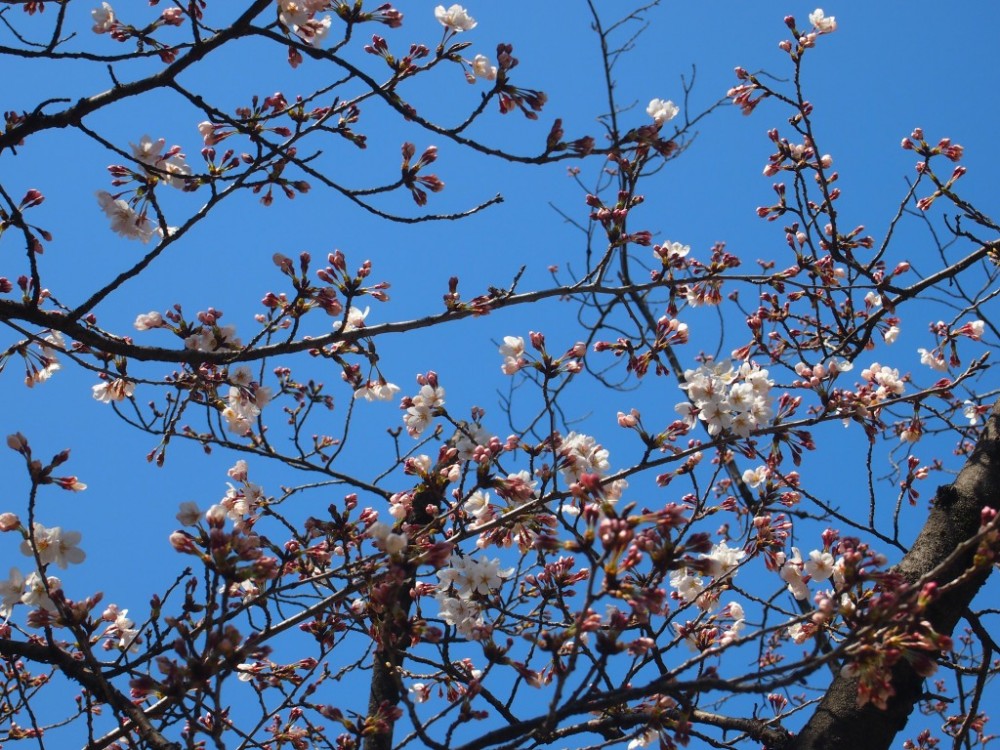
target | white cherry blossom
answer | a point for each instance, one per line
(455, 18)
(662, 111)
(823, 23)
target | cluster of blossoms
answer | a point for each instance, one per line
(168, 167)
(39, 367)
(725, 398)
(122, 629)
(512, 351)
(128, 217)
(584, 463)
(238, 505)
(463, 584)
(423, 407)
(211, 337)
(721, 563)
(246, 398)
(935, 358)
(238, 555)
(885, 380)
(50, 546)
(819, 567)
(33, 591)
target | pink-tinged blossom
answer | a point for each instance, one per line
(104, 18)
(822, 23)
(482, 67)
(582, 455)
(886, 378)
(670, 252)
(169, 166)
(455, 18)
(54, 546)
(173, 16)
(9, 521)
(122, 628)
(420, 409)
(469, 438)
(662, 111)
(148, 321)
(819, 566)
(512, 351)
(299, 16)
(118, 389)
(799, 632)
(48, 347)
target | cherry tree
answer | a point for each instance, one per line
(528, 564)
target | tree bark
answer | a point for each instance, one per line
(838, 721)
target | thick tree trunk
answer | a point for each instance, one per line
(838, 721)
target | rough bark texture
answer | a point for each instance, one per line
(838, 721)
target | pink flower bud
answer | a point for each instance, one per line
(9, 521)
(182, 542)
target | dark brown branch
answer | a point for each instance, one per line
(838, 721)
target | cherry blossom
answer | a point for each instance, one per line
(662, 111)
(11, 591)
(377, 390)
(483, 68)
(819, 566)
(118, 389)
(125, 221)
(104, 18)
(37, 595)
(420, 409)
(512, 350)
(792, 573)
(723, 560)
(54, 545)
(148, 321)
(933, 359)
(822, 23)
(455, 19)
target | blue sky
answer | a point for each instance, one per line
(888, 68)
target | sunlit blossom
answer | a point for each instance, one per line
(823, 23)
(455, 18)
(662, 111)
